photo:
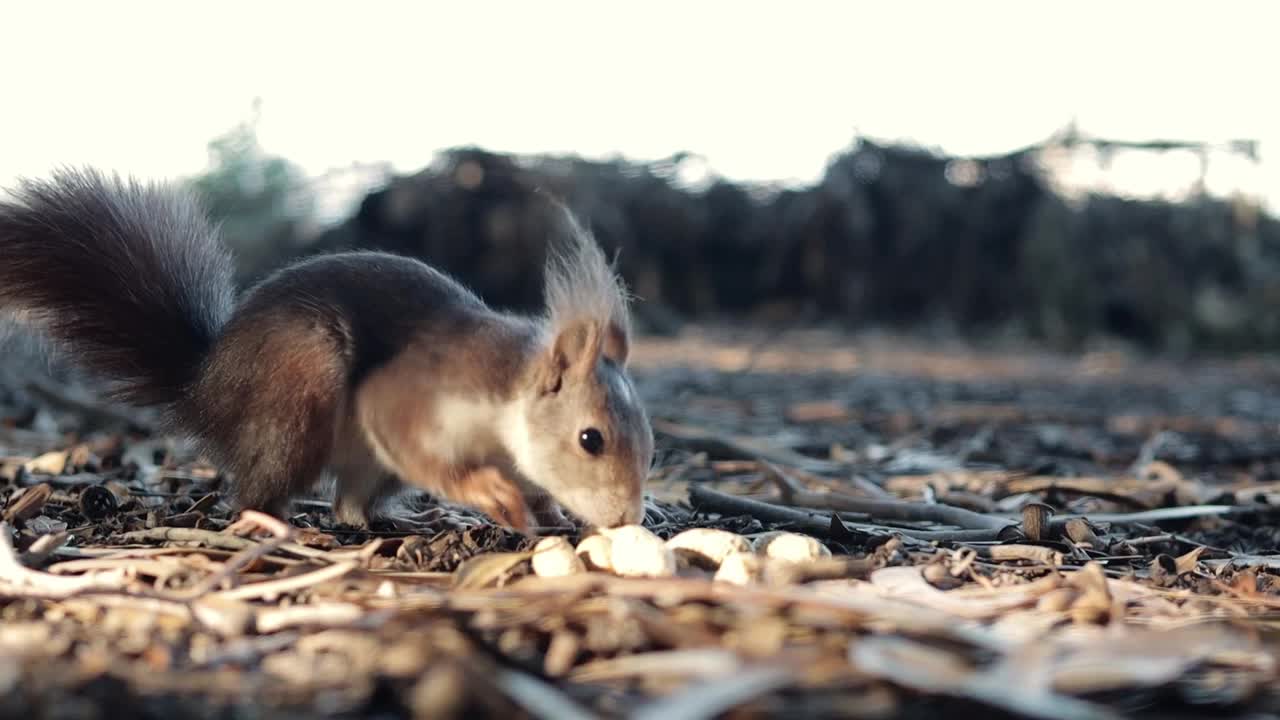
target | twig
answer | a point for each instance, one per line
(238, 562)
(541, 699)
(157, 567)
(273, 588)
(1150, 539)
(1269, 562)
(792, 493)
(43, 547)
(716, 697)
(1185, 512)
(816, 523)
(697, 662)
(17, 580)
(144, 604)
(273, 619)
(704, 498)
(206, 538)
(63, 481)
(869, 487)
(742, 447)
(250, 520)
(1033, 553)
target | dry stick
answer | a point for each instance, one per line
(1034, 553)
(252, 519)
(62, 481)
(19, 581)
(156, 568)
(739, 446)
(1150, 539)
(207, 538)
(1247, 561)
(271, 588)
(281, 531)
(870, 487)
(539, 698)
(817, 523)
(273, 619)
(43, 547)
(685, 663)
(1185, 512)
(141, 603)
(235, 564)
(794, 494)
(716, 697)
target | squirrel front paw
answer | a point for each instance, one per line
(546, 511)
(488, 490)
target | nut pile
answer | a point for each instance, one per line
(633, 551)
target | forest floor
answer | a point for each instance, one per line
(1019, 534)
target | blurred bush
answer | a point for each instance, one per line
(262, 201)
(891, 236)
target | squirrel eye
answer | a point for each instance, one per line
(591, 440)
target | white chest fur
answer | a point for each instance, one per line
(469, 429)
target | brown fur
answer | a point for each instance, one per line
(268, 401)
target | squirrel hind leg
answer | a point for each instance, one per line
(360, 493)
(276, 428)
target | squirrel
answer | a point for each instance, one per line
(372, 368)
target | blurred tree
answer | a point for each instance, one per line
(262, 201)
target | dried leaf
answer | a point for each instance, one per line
(28, 504)
(1081, 533)
(489, 570)
(1187, 562)
(50, 463)
(909, 583)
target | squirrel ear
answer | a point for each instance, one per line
(575, 351)
(616, 344)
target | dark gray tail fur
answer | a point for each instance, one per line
(128, 279)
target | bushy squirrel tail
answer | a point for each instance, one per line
(128, 279)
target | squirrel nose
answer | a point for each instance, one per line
(634, 513)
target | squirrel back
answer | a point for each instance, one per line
(128, 278)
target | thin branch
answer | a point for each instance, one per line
(275, 588)
(818, 524)
(736, 446)
(792, 493)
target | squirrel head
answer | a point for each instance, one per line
(594, 443)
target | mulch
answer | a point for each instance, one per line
(1011, 533)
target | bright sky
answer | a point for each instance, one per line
(763, 90)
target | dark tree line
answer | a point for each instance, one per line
(891, 236)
